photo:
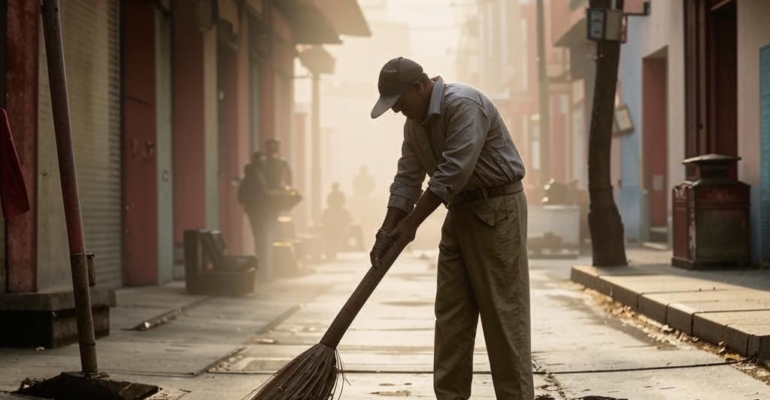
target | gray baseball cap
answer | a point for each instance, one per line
(395, 78)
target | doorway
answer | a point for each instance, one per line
(655, 143)
(764, 178)
(711, 49)
(147, 148)
(163, 126)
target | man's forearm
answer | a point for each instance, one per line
(428, 203)
(393, 217)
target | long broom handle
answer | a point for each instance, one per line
(359, 297)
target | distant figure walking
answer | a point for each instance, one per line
(252, 194)
(335, 220)
(277, 168)
(364, 216)
(363, 183)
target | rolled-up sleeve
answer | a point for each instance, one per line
(407, 185)
(466, 134)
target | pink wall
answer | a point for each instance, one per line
(22, 94)
(244, 121)
(140, 193)
(188, 123)
(236, 142)
(229, 168)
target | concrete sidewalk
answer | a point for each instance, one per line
(164, 336)
(726, 307)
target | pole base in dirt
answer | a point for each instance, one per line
(76, 386)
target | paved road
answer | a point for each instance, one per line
(579, 349)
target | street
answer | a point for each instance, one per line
(211, 351)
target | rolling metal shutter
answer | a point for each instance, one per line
(90, 29)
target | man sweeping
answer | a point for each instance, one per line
(456, 135)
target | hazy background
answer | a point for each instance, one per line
(427, 31)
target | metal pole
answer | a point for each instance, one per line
(545, 109)
(69, 184)
(315, 153)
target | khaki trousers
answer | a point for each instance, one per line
(482, 270)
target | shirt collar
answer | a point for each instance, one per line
(436, 98)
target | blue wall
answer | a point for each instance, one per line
(630, 76)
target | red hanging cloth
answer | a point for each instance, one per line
(13, 191)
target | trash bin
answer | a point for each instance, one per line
(711, 216)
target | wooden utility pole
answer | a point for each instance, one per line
(606, 227)
(69, 185)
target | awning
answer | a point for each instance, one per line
(575, 34)
(323, 21)
(317, 59)
(345, 16)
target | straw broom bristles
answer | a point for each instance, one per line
(314, 374)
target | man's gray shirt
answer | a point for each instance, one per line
(462, 144)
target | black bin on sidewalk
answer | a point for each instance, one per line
(209, 270)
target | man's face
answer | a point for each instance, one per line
(414, 103)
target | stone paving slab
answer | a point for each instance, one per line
(666, 384)
(627, 289)
(370, 386)
(204, 387)
(396, 359)
(563, 361)
(655, 305)
(184, 346)
(680, 315)
(717, 309)
(168, 296)
(171, 358)
(587, 275)
(742, 330)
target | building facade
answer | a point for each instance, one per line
(688, 100)
(168, 100)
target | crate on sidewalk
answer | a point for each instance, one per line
(209, 270)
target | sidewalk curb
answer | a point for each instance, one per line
(631, 287)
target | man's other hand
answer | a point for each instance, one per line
(404, 232)
(381, 245)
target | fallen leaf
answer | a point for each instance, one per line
(721, 351)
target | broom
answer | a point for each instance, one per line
(313, 375)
